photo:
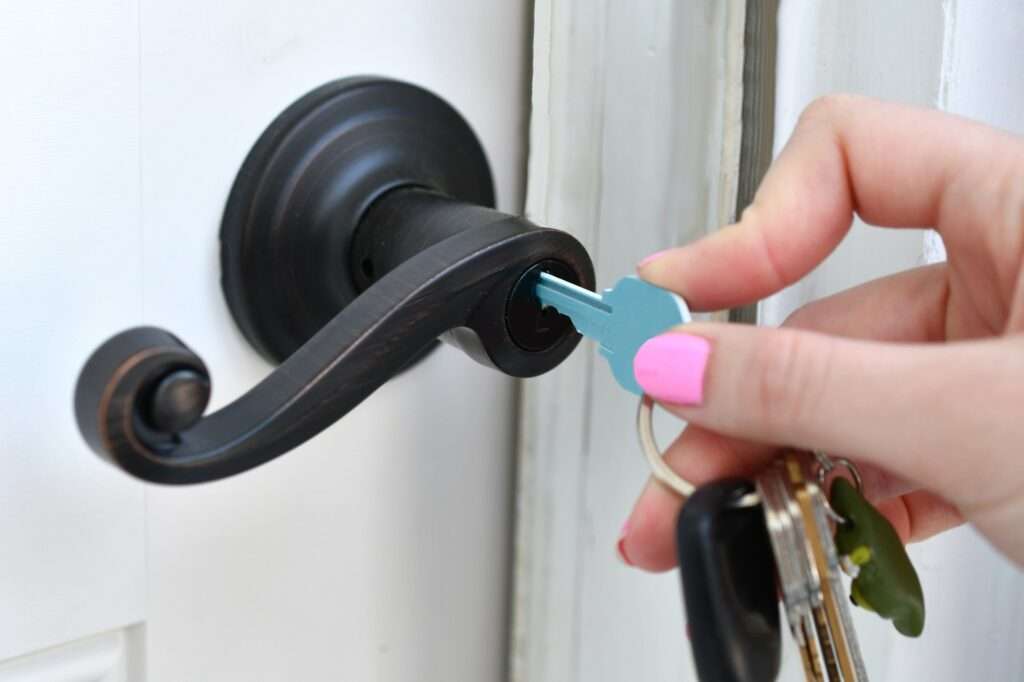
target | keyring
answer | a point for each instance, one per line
(676, 483)
(827, 465)
(661, 471)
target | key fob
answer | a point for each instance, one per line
(728, 575)
(886, 582)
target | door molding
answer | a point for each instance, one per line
(612, 83)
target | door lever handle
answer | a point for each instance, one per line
(357, 232)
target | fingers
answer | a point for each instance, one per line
(650, 542)
(892, 164)
(909, 306)
(905, 307)
(919, 515)
(699, 456)
(933, 414)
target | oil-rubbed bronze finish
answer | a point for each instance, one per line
(358, 232)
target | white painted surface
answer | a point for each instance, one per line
(71, 528)
(595, 170)
(892, 51)
(633, 135)
(107, 657)
(380, 550)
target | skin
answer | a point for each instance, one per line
(918, 377)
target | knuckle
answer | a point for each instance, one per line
(775, 273)
(790, 376)
(828, 109)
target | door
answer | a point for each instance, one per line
(377, 551)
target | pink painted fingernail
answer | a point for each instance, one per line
(671, 368)
(620, 546)
(653, 257)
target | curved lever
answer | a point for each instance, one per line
(140, 396)
(356, 232)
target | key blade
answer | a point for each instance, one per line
(818, 614)
(835, 611)
(587, 311)
(620, 320)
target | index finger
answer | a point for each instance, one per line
(889, 163)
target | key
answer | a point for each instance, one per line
(829, 645)
(812, 587)
(620, 320)
(722, 532)
(728, 575)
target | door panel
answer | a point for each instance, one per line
(380, 549)
(72, 555)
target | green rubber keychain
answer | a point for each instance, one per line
(884, 579)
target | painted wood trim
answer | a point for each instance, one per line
(612, 83)
(113, 656)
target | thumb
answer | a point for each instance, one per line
(941, 415)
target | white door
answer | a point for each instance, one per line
(379, 550)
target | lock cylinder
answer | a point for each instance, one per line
(407, 220)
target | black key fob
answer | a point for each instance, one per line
(728, 574)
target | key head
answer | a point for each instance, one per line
(728, 574)
(639, 311)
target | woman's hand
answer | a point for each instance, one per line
(919, 377)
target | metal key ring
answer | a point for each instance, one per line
(661, 471)
(827, 465)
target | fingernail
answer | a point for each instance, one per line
(620, 546)
(670, 368)
(653, 257)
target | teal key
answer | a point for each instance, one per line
(620, 320)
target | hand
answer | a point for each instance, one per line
(918, 377)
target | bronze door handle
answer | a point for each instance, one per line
(358, 231)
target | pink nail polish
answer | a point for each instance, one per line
(620, 550)
(653, 257)
(671, 368)
(620, 546)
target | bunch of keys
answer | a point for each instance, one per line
(742, 541)
(738, 539)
